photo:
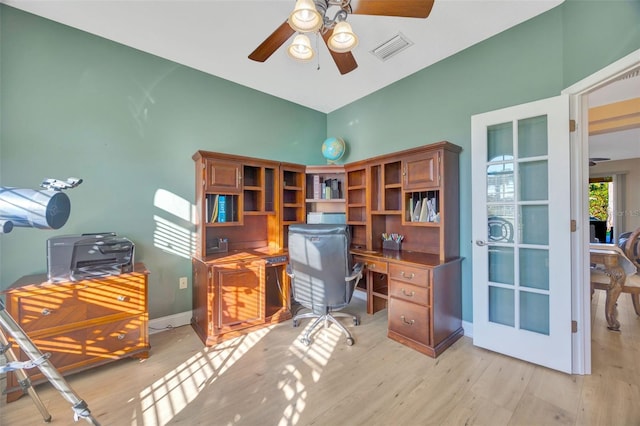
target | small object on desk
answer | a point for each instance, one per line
(218, 245)
(392, 241)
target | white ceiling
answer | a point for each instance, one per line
(216, 36)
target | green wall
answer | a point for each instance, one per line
(534, 60)
(126, 122)
(72, 104)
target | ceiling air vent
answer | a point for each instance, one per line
(391, 47)
(631, 74)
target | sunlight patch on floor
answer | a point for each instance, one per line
(315, 357)
(170, 394)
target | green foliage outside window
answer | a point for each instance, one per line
(598, 200)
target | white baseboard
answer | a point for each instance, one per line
(468, 328)
(157, 325)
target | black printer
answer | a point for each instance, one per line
(83, 256)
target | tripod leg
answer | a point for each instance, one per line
(80, 408)
(24, 381)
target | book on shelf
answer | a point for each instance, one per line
(327, 189)
(317, 187)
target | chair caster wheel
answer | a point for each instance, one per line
(356, 321)
(305, 341)
(350, 341)
(295, 323)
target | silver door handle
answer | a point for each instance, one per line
(481, 243)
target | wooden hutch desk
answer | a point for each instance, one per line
(239, 265)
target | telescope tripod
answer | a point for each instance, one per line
(80, 408)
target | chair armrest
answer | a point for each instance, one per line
(356, 272)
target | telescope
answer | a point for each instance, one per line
(47, 208)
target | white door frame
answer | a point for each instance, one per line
(581, 294)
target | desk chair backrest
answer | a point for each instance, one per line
(319, 261)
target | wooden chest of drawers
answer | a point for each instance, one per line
(82, 324)
(424, 306)
(422, 295)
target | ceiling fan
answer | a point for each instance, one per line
(328, 18)
(595, 160)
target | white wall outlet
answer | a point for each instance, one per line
(183, 283)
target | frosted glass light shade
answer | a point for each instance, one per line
(343, 39)
(300, 48)
(305, 18)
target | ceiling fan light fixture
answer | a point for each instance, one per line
(305, 18)
(343, 38)
(300, 48)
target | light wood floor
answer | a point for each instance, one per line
(269, 378)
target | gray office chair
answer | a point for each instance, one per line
(322, 275)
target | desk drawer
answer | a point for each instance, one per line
(117, 296)
(116, 340)
(409, 320)
(41, 310)
(409, 274)
(373, 265)
(409, 292)
(80, 348)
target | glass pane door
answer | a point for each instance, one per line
(518, 223)
(520, 220)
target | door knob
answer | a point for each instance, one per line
(481, 243)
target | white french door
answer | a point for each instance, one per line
(521, 232)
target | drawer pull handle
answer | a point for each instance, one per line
(122, 298)
(404, 320)
(121, 336)
(371, 265)
(411, 294)
(408, 276)
(46, 312)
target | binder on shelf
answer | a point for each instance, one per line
(335, 188)
(212, 208)
(231, 210)
(222, 208)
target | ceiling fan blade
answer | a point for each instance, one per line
(400, 8)
(272, 43)
(344, 61)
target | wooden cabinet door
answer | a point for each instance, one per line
(222, 176)
(422, 172)
(240, 294)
